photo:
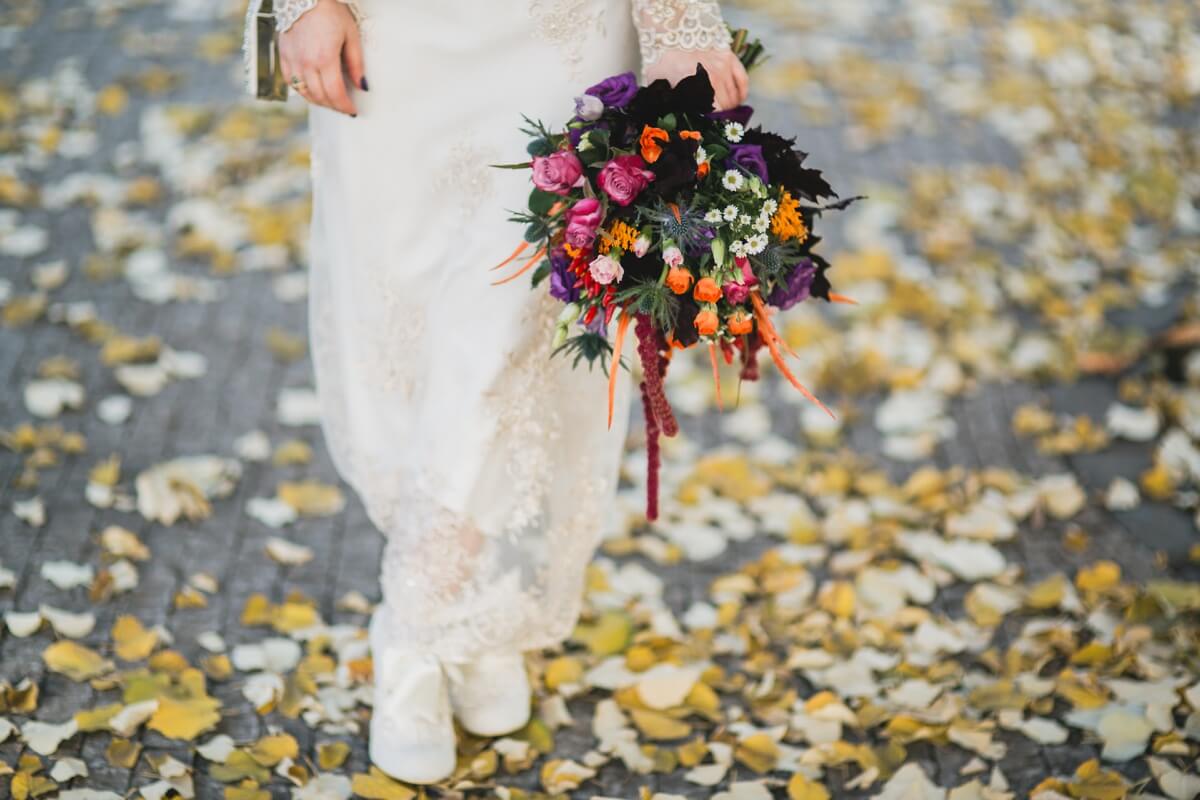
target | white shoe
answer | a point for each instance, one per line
(412, 727)
(491, 694)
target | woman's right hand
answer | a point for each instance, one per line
(323, 49)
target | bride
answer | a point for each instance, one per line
(487, 464)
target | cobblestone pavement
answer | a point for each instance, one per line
(239, 393)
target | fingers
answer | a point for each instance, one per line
(333, 84)
(741, 80)
(726, 92)
(314, 92)
(352, 58)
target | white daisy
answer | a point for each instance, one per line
(761, 224)
(701, 155)
(756, 244)
(733, 180)
(713, 216)
(734, 131)
(731, 213)
(745, 221)
(770, 207)
(738, 248)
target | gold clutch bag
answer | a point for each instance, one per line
(264, 77)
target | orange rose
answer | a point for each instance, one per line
(679, 279)
(690, 135)
(707, 291)
(707, 322)
(740, 322)
(649, 142)
(702, 170)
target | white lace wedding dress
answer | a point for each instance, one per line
(487, 464)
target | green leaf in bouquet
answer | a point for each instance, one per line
(540, 147)
(668, 123)
(539, 274)
(541, 202)
(651, 298)
(716, 152)
(521, 165)
(588, 345)
(536, 232)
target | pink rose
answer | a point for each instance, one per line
(641, 246)
(624, 178)
(583, 220)
(673, 256)
(605, 270)
(735, 292)
(557, 173)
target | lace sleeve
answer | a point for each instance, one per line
(678, 25)
(288, 11)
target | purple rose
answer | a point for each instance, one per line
(562, 280)
(624, 178)
(798, 286)
(735, 292)
(740, 114)
(557, 173)
(617, 91)
(583, 220)
(748, 158)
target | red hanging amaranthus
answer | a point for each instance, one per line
(657, 410)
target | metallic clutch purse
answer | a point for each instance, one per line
(264, 78)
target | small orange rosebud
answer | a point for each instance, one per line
(690, 135)
(707, 291)
(707, 322)
(679, 279)
(649, 143)
(703, 170)
(740, 322)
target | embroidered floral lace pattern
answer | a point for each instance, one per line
(678, 25)
(566, 24)
(465, 174)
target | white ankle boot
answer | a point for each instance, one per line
(490, 694)
(412, 728)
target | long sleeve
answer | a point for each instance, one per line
(678, 25)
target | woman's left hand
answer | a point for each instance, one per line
(729, 78)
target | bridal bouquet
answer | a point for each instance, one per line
(686, 223)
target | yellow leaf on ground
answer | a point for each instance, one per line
(658, 727)
(378, 786)
(185, 719)
(801, 788)
(270, 750)
(331, 755)
(131, 640)
(77, 662)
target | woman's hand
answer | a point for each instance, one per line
(728, 76)
(323, 49)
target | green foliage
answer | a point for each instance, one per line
(652, 298)
(589, 346)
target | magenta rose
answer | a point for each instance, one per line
(735, 292)
(557, 173)
(624, 178)
(583, 220)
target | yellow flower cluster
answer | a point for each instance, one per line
(787, 222)
(620, 235)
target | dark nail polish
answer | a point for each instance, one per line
(354, 115)
(363, 84)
